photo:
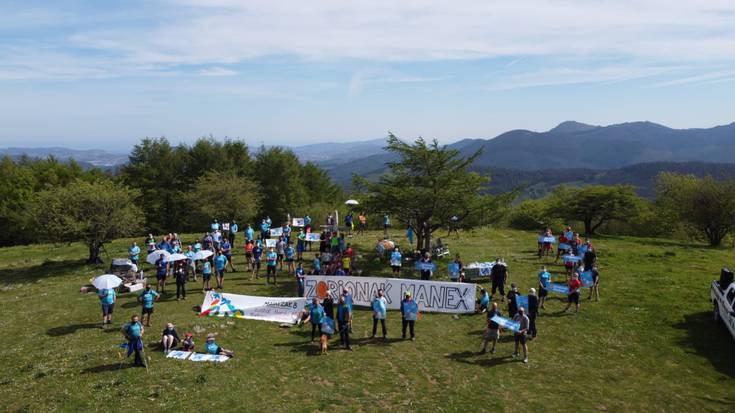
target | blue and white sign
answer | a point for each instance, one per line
(564, 246)
(453, 269)
(313, 237)
(522, 301)
(586, 279)
(328, 326)
(506, 323)
(425, 266)
(410, 310)
(570, 258)
(557, 288)
(276, 232)
(550, 240)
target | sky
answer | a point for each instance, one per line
(105, 74)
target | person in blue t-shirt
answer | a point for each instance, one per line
(133, 332)
(227, 251)
(191, 266)
(257, 258)
(211, 347)
(386, 224)
(290, 254)
(161, 272)
(409, 314)
(316, 315)
(233, 231)
(264, 230)
(300, 278)
(146, 299)
(107, 300)
(483, 302)
(249, 233)
(344, 321)
(220, 262)
(207, 274)
(379, 306)
(544, 278)
(395, 261)
(134, 253)
(271, 261)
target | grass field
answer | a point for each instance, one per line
(649, 345)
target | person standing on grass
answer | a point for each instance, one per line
(426, 273)
(249, 245)
(146, 299)
(344, 322)
(300, 279)
(161, 272)
(532, 313)
(280, 251)
(573, 295)
(300, 245)
(594, 288)
(499, 275)
(362, 219)
(512, 304)
(233, 231)
(520, 335)
(191, 265)
(290, 255)
(227, 252)
(257, 257)
(409, 314)
(220, 264)
(180, 277)
(107, 298)
(380, 307)
(492, 331)
(134, 253)
(271, 261)
(249, 233)
(386, 224)
(316, 315)
(207, 275)
(264, 230)
(395, 261)
(348, 223)
(133, 332)
(544, 278)
(409, 235)
(328, 305)
(316, 265)
(590, 256)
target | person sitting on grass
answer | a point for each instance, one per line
(212, 348)
(188, 343)
(483, 302)
(146, 299)
(133, 332)
(169, 338)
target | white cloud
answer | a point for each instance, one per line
(217, 71)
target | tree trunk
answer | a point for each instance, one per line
(426, 229)
(588, 230)
(94, 253)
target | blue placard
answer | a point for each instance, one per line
(453, 268)
(425, 266)
(557, 288)
(572, 258)
(564, 246)
(522, 301)
(586, 279)
(506, 323)
(550, 240)
(410, 310)
(328, 326)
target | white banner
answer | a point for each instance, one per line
(277, 309)
(431, 296)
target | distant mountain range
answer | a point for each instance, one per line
(571, 153)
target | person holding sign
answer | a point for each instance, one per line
(344, 322)
(544, 278)
(520, 335)
(409, 314)
(133, 332)
(379, 306)
(594, 288)
(425, 265)
(512, 304)
(492, 332)
(573, 296)
(395, 262)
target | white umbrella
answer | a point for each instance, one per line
(107, 281)
(203, 255)
(176, 257)
(351, 202)
(153, 257)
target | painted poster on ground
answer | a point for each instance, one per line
(506, 323)
(431, 296)
(276, 309)
(217, 358)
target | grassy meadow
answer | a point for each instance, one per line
(648, 345)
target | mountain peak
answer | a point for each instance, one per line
(571, 126)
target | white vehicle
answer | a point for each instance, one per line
(722, 295)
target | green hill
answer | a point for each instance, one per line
(648, 345)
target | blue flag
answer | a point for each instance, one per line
(506, 323)
(522, 301)
(425, 266)
(453, 268)
(558, 288)
(410, 310)
(586, 279)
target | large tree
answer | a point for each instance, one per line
(705, 204)
(93, 213)
(278, 172)
(594, 205)
(427, 186)
(224, 196)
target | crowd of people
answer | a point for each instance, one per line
(283, 249)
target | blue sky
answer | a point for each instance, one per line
(98, 74)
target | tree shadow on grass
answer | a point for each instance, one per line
(36, 272)
(70, 329)
(709, 340)
(484, 360)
